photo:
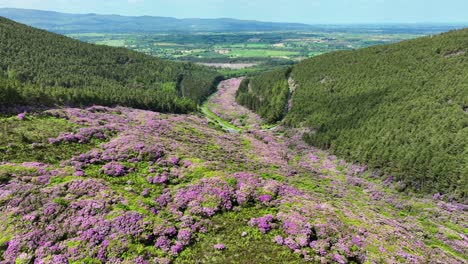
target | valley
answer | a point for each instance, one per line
(165, 188)
(159, 140)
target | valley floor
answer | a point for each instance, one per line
(119, 185)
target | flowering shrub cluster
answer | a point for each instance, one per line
(220, 246)
(114, 169)
(21, 116)
(263, 223)
(162, 179)
(84, 135)
(79, 211)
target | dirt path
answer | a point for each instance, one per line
(223, 105)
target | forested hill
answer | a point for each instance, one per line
(401, 108)
(39, 67)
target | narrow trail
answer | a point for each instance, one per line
(222, 108)
(390, 220)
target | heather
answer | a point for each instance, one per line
(136, 186)
(44, 69)
(399, 108)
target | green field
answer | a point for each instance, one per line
(267, 50)
(262, 53)
(113, 42)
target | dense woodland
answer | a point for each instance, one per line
(267, 94)
(42, 68)
(401, 108)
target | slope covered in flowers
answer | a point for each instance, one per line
(137, 186)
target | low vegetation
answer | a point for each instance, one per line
(136, 186)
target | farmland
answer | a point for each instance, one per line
(259, 51)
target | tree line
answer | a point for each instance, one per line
(266, 94)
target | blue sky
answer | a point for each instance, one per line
(303, 11)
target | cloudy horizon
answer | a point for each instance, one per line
(297, 11)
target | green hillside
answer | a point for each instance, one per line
(38, 67)
(401, 108)
(266, 94)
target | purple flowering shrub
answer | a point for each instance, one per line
(114, 169)
(220, 246)
(264, 224)
(158, 183)
(84, 135)
(46, 215)
(21, 116)
(80, 211)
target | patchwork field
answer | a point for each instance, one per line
(266, 50)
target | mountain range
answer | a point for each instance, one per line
(84, 23)
(73, 23)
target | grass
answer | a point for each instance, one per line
(435, 243)
(213, 117)
(27, 140)
(254, 47)
(112, 42)
(227, 228)
(261, 53)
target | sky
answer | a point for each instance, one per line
(301, 11)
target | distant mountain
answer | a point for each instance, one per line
(39, 67)
(402, 108)
(85, 23)
(82, 23)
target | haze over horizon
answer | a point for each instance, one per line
(297, 11)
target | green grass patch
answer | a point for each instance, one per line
(308, 183)
(261, 53)
(213, 117)
(112, 42)
(429, 226)
(247, 144)
(27, 140)
(435, 243)
(60, 180)
(269, 176)
(227, 228)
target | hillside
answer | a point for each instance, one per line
(42, 68)
(266, 94)
(82, 23)
(121, 185)
(400, 108)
